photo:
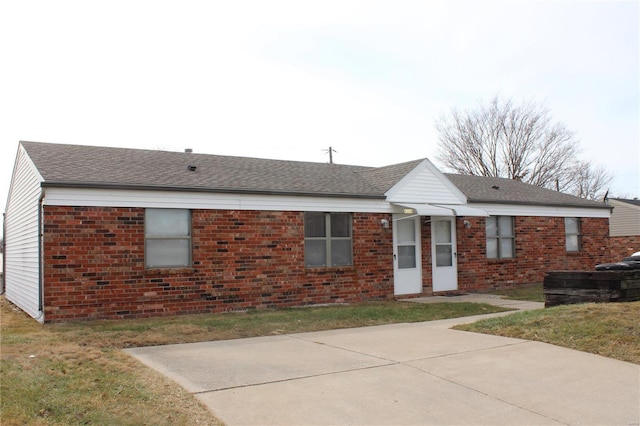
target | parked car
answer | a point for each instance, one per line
(631, 262)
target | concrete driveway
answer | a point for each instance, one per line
(401, 374)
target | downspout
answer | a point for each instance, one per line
(41, 257)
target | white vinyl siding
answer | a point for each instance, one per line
(625, 219)
(21, 237)
(425, 184)
(208, 200)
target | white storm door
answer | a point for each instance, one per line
(407, 265)
(444, 256)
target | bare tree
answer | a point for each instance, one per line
(589, 181)
(502, 139)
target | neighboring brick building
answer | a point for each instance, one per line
(131, 233)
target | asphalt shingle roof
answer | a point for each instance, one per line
(634, 201)
(482, 189)
(91, 166)
(70, 165)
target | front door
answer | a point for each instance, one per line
(407, 265)
(443, 253)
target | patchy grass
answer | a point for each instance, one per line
(532, 293)
(75, 373)
(607, 329)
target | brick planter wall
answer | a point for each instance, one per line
(94, 265)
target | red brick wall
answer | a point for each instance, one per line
(622, 247)
(539, 245)
(94, 262)
(94, 265)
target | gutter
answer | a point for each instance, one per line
(209, 190)
(542, 204)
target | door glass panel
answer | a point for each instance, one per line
(443, 231)
(444, 256)
(406, 257)
(406, 231)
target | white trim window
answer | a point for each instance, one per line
(572, 233)
(167, 238)
(327, 239)
(500, 237)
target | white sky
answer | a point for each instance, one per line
(288, 79)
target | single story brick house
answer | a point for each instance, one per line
(96, 232)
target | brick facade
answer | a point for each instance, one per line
(94, 265)
(540, 246)
(622, 247)
(94, 262)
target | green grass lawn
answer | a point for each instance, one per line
(532, 293)
(76, 373)
(607, 329)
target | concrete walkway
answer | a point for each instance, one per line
(401, 374)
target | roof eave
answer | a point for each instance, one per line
(85, 185)
(531, 203)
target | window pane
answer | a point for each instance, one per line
(444, 257)
(314, 225)
(571, 225)
(340, 252)
(492, 248)
(406, 257)
(340, 225)
(315, 253)
(492, 226)
(505, 226)
(506, 248)
(442, 231)
(572, 243)
(169, 222)
(167, 252)
(406, 231)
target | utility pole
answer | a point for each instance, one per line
(330, 151)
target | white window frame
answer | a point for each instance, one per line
(501, 235)
(328, 239)
(169, 235)
(573, 234)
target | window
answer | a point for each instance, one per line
(572, 233)
(327, 239)
(500, 237)
(167, 235)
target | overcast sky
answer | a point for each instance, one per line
(288, 79)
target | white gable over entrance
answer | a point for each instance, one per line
(425, 184)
